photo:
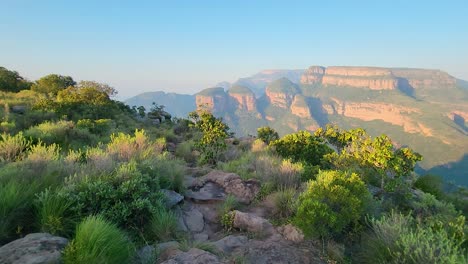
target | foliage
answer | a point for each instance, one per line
(432, 184)
(333, 203)
(41, 153)
(11, 81)
(214, 133)
(230, 203)
(157, 112)
(285, 203)
(163, 225)
(54, 215)
(52, 84)
(267, 134)
(227, 221)
(101, 87)
(399, 239)
(126, 197)
(98, 241)
(13, 148)
(302, 146)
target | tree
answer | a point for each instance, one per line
(267, 134)
(335, 201)
(11, 81)
(52, 84)
(214, 134)
(141, 111)
(103, 87)
(157, 112)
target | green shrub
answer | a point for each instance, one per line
(13, 147)
(267, 134)
(41, 153)
(185, 150)
(333, 203)
(54, 215)
(432, 184)
(230, 203)
(98, 241)
(163, 225)
(167, 169)
(126, 197)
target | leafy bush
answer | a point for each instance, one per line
(163, 225)
(331, 204)
(124, 147)
(267, 134)
(302, 146)
(13, 147)
(54, 215)
(167, 169)
(98, 241)
(40, 153)
(126, 197)
(432, 184)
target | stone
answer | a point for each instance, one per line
(231, 243)
(276, 252)
(253, 223)
(34, 248)
(194, 220)
(194, 256)
(200, 237)
(244, 191)
(145, 255)
(172, 198)
(291, 233)
(208, 192)
(168, 250)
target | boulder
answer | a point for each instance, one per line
(231, 243)
(194, 220)
(244, 191)
(277, 252)
(172, 198)
(194, 256)
(201, 237)
(253, 223)
(34, 248)
(291, 233)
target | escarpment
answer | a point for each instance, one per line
(242, 98)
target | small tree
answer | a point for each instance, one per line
(214, 133)
(267, 134)
(52, 83)
(335, 201)
(141, 111)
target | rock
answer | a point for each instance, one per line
(194, 256)
(168, 250)
(194, 220)
(242, 98)
(291, 233)
(231, 243)
(145, 255)
(281, 92)
(180, 220)
(313, 75)
(18, 109)
(201, 237)
(33, 249)
(212, 99)
(172, 198)
(273, 252)
(208, 192)
(299, 107)
(244, 191)
(253, 223)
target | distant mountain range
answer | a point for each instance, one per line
(425, 109)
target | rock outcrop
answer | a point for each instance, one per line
(213, 99)
(300, 107)
(424, 78)
(365, 77)
(36, 248)
(313, 75)
(194, 256)
(281, 93)
(243, 98)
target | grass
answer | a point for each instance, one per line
(98, 241)
(229, 204)
(285, 205)
(163, 225)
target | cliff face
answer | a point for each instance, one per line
(300, 107)
(213, 99)
(313, 75)
(281, 93)
(242, 98)
(377, 78)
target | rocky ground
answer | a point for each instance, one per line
(253, 238)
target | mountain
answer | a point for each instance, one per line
(177, 104)
(258, 82)
(423, 108)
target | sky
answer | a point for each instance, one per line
(185, 46)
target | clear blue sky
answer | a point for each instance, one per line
(184, 46)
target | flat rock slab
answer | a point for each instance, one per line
(208, 192)
(36, 248)
(194, 220)
(194, 256)
(172, 198)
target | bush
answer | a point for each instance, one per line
(54, 215)
(40, 153)
(267, 134)
(432, 184)
(230, 203)
(185, 150)
(168, 170)
(285, 203)
(13, 147)
(98, 241)
(399, 239)
(333, 203)
(163, 225)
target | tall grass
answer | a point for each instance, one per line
(230, 203)
(98, 241)
(285, 203)
(163, 225)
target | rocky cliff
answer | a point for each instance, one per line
(299, 107)
(281, 92)
(242, 98)
(213, 99)
(313, 75)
